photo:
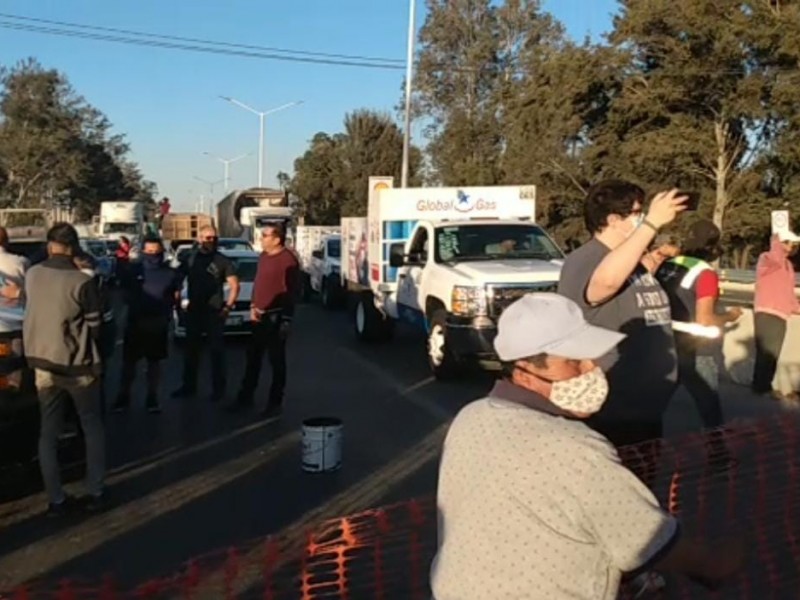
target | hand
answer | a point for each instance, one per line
(10, 291)
(255, 315)
(727, 557)
(665, 206)
(734, 313)
(225, 311)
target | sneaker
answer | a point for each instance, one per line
(95, 504)
(122, 403)
(61, 509)
(152, 405)
(184, 392)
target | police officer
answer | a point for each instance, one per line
(206, 271)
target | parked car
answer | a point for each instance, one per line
(238, 323)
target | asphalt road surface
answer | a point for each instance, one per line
(196, 478)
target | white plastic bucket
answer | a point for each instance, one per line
(322, 444)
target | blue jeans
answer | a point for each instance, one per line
(699, 374)
(84, 392)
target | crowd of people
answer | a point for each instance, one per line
(549, 510)
(70, 333)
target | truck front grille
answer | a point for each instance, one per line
(500, 296)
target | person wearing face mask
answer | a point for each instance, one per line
(774, 303)
(607, 279)
(534, 504)
(207, 271)
(152, 288)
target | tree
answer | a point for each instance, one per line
(330, 179)
(692, 109)
(456, 84)
(52, 141)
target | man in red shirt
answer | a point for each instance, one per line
(692, 285)
(275, 292)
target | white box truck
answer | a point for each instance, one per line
(447, 260)
(319, 250)
(118, 219)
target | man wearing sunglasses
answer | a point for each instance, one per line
(207, 271)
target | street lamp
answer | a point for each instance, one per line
(409, 75)
(227, 162)
(261, 115)
(211, 185)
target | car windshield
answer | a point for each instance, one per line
(246, 268)
(131, 228)
(488, 241)
(334, 248)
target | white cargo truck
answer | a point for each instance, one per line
(118, 219)
(319, 250)
(447, 260)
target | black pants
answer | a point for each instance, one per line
(770, 333)
(700, 376)
(266, 338)
(211, 323)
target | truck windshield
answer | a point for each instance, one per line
(489, 241)
(334, 248)
(131, 228)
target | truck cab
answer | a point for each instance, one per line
(456, 278)
(324, 270)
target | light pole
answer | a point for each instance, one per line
(409, 76)
(211, 185)
(227, 162)
(261, 115)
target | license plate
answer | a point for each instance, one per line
(233, 321)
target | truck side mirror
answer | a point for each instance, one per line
(397, 256)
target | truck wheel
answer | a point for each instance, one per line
(441, 360)
(370, 324)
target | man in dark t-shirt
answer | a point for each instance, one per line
(606, 279)
(207, 271)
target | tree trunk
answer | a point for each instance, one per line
(721, 173)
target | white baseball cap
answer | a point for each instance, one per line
(545, 323)
(788, 236)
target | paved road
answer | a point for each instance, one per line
(196, 478)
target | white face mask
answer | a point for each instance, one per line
(584, 394)
(637, 220)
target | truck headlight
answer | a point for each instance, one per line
(469, 301)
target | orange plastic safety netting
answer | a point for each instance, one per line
(743, 478)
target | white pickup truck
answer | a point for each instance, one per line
(447, 260)
(319, 250)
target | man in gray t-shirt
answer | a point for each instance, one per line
(606, 279)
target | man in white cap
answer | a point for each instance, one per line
(533, 503)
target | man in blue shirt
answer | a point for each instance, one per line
(152, 289)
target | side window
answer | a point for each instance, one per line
(419, 246)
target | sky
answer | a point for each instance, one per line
(167, 102)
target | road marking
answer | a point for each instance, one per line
(294, 537)
(30, 506)
(46, 554)
(406, 392)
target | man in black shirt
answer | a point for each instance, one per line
(206, 271)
